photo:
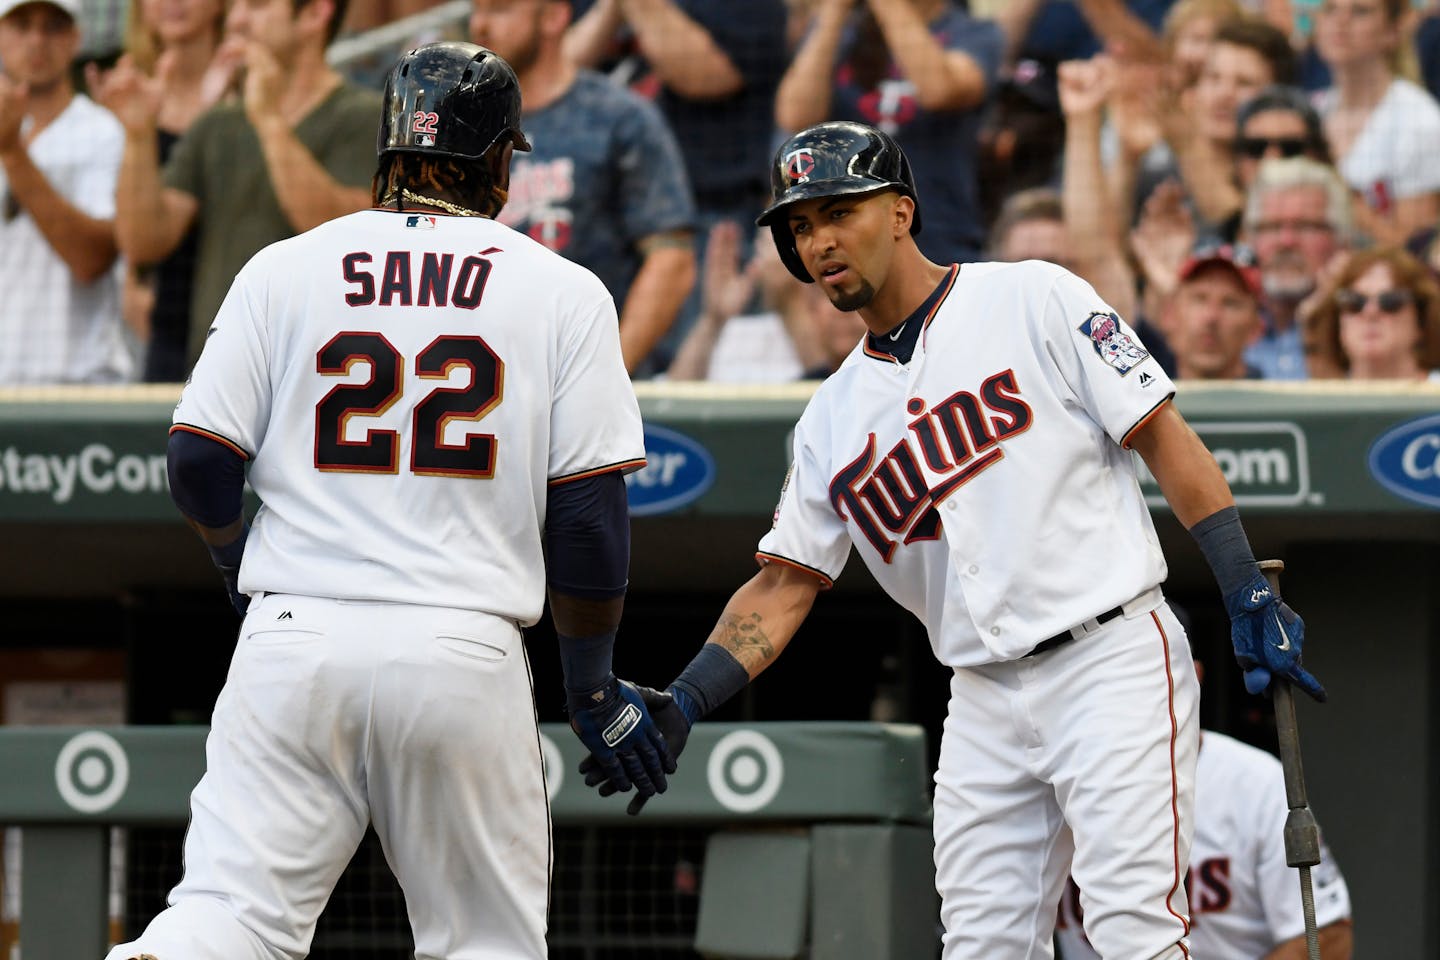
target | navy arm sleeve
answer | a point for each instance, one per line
(587, 537)
(207, 478)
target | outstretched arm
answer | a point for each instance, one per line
(1266, 634)
(763, 615)
(1091, 220)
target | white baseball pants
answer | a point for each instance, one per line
(336, 714)
(1086, 751)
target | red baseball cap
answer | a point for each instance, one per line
(1237, 257)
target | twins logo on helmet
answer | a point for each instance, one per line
(799, 164)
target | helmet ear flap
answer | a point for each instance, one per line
(785, 245)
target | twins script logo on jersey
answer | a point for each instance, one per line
(957, 438)
(1108, 337)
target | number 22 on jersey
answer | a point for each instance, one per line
(430, 455)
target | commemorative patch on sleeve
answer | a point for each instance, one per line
(1112, 341)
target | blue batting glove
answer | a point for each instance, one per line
(614, 723)
(673, 722)
(1268, 637)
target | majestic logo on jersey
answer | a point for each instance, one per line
(799, 164)
(956, 439)
(1115, 346)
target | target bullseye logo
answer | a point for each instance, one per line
(554, 763)
(92, 771)
(745, 771)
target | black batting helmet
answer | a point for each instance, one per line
(828, 160)
(450, 99)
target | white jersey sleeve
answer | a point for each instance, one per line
(594, 418)
(1101, 360)
(807, 533)
(227, 397)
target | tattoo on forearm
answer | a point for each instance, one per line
(745, 638)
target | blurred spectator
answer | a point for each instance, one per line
(1031, 226)
(1277, 122)
(1021, 138)
(1379, 319)
(297, 151)
(798, 334)
(605, 185)
(718, 65)
(1383, 130)
(1189, 32)
(1215, 314)
(1297, 219)
(1247, 55)
(1055, 32)
(1093, 224)
(177, 43)
(59, 157)
(921, 70)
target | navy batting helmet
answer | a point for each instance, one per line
(828, 160)
(450, 99)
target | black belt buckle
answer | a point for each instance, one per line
(1059, 638)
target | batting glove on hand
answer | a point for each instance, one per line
(673, 724)
(1268, 637)
(615, 725)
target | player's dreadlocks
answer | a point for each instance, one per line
(464, 187)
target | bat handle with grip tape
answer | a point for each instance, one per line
(1302, 836)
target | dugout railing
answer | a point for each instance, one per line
(776, 840)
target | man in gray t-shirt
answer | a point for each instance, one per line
(605, 185)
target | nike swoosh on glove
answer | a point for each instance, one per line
(672, 723)
(1268, 638)
(615, 725)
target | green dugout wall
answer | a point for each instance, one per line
(822, 848)
(1340, 481)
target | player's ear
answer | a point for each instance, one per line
(902, 215)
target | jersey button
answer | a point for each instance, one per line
(949, 504)
(974, 569)
(994, 631)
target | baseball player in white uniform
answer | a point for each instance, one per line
(424, 397)
(974, 450)
(1244, 898)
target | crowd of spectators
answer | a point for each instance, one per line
(1250, 182)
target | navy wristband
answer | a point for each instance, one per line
(585, 662)
(1226, 548)
(710, 679)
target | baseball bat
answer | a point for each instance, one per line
(1302, 836)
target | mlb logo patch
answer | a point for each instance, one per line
(418, 222)
(1107, 334)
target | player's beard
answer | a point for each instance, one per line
(861, 297)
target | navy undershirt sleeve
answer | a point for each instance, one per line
(587, 537)
(207, 478)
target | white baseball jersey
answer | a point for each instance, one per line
(406, 398)
(1244, 899)
(985, 484)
